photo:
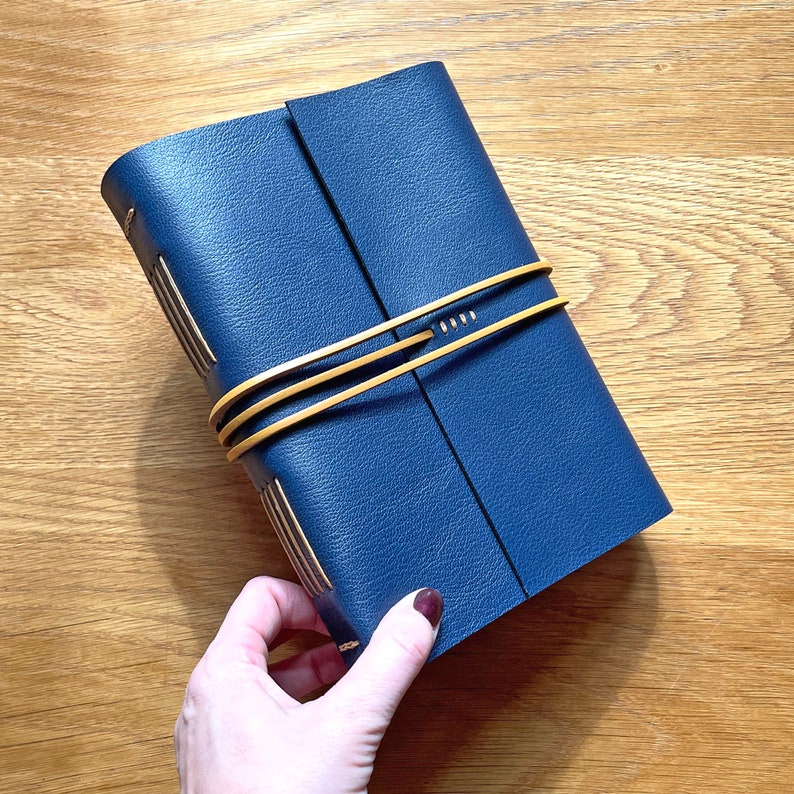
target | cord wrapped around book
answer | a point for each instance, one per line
(228, 400)
(386, 355)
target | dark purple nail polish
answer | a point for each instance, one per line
(431, 604)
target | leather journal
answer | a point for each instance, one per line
(385, 351)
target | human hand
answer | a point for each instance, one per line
(242, 729)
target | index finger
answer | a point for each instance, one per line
(263, 609)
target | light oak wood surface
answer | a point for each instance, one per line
(649, 148)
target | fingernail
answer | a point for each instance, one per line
(431, 604)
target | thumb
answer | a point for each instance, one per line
(375, 685)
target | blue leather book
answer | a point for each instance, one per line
(387, 355)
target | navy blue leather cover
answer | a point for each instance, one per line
(488, 474)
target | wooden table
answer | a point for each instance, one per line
(648, 149)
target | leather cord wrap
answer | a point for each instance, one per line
(296, 388)
(226, 431)
(384, 377)
(268, 376)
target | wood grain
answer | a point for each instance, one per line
(648, 148)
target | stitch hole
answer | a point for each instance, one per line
(443, 326)
(472, 315)
(454, 323)
(463, 319)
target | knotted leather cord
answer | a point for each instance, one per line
(263, 378)
(384, 377)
